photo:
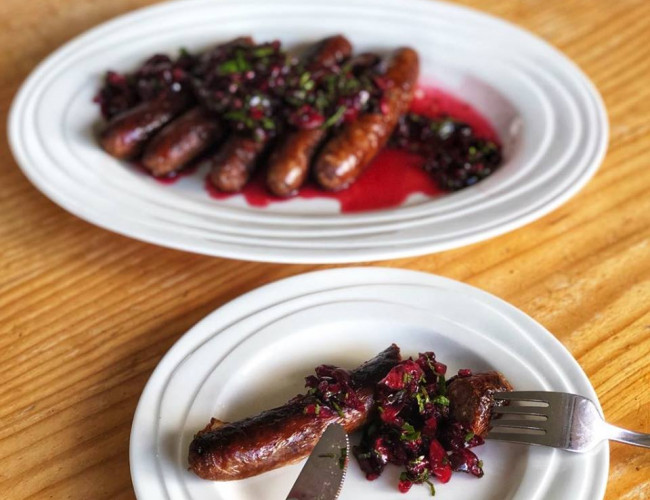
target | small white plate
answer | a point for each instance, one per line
(253, 353)
(547, 113)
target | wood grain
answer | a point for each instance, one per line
(85, 315)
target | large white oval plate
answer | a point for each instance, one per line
(253, 353)
(549, 116)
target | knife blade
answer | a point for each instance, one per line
(322, 476)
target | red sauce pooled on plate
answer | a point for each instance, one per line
(393, 175)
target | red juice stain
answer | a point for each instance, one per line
(393, 175)
(387, 182)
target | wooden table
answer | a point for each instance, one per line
(85, 314)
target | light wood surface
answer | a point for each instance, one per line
(85, 314)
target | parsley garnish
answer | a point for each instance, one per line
(338, 409)
(442, 400)
(332, 120)
(409, 433)
(343, 458)
(433, 489)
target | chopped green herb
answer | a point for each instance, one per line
(422, 399)
(228, 67)
(338, 409)
(305, 78)
(442, 385)
(409, 433)
(239, 116)
(431, 487)
(469, 436)
(321, 102)
(236, 65)
(263, 51)
(268, 124)
(332, 120)
(441, 400)
(343, 458)
(480, 463)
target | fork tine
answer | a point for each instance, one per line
(537, 425)
(514, 437)
(536, 396)
(541, 411)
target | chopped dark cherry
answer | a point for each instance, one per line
(333, 391)
(456, 158)
(116, 96)
(157, 77)
(404, 485)
(413, 428)
(464, 460)
(455, 436)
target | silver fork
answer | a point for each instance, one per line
(566, 421)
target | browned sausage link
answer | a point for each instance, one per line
(231, 167)
(282, 435)
(348, 153)
(181, 141)
(328, 52)
(289, 163)
(126, 134)
(470, 399)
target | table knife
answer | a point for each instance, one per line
(322, 476)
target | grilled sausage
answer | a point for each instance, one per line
(181, 141)
(289, 163)
(471, 401)
(348, 153)
(328, 52)
(126, 134)
(283, 435)
(232, 165)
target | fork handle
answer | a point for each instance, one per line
(629, 437)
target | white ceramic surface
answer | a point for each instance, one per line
(253, 353)
(549, 116)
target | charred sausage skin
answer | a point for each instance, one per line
(289, 164)
(181, 141)
(349, 152)
(471, 401)
(126, 134)
(282, 435)
(232, 166)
